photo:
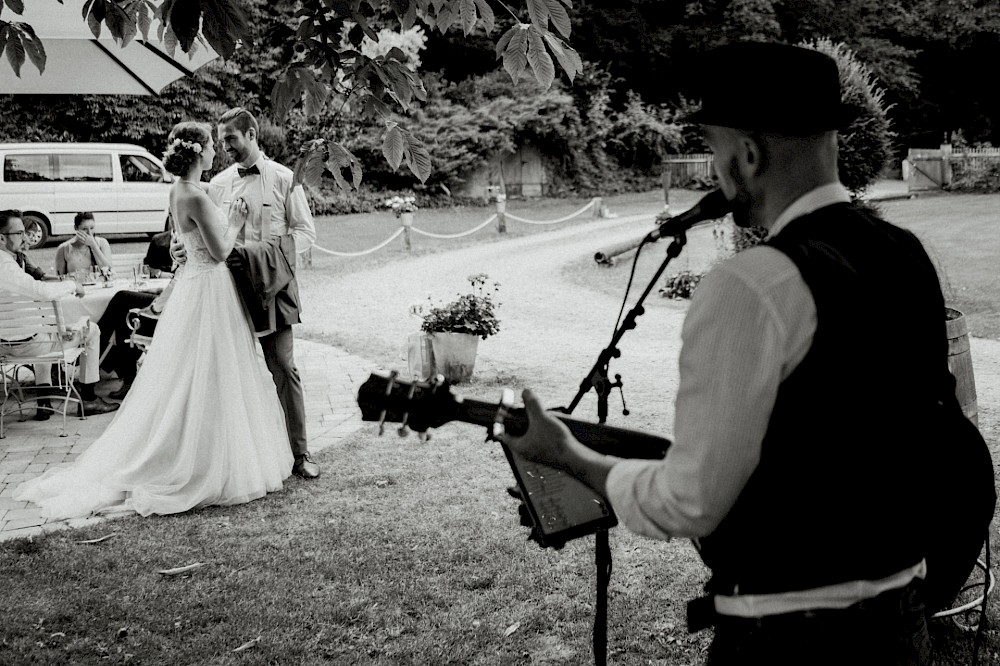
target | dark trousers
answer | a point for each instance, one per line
(279, 353)
(114, 325)
(889, 630)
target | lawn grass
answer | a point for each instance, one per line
(403, 552)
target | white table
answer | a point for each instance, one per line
(97, 296)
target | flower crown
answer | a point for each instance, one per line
(193, 146)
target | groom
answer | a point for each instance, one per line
(274, 208)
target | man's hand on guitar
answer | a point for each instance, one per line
(547, 441)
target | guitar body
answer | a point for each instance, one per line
(561, 507)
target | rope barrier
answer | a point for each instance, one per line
(358, 254)
(489, 220)
(561, 219)
(464, 233)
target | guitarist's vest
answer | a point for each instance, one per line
(849, 485)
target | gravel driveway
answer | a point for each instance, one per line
(551, 328)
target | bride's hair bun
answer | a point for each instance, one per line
(185, 144)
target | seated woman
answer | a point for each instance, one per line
(83, 250)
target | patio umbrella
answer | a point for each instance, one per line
(78, 64)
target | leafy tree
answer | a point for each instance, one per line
(316, 65)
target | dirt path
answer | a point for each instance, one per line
(547, 321)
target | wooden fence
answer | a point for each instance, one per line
(932, 168)
(679, 170)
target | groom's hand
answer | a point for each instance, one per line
(177, 251)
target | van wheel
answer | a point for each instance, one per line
(36, 231)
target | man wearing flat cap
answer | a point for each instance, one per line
(800, 459)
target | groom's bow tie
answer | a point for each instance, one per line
(249, 170)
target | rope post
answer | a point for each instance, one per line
(501, 213)
(407, 223)
(305, 259)
(597, 207)
(667, 176)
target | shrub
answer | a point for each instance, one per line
(681, 285)
(979, 176)
(473, 313)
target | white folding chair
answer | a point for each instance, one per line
(23, 325)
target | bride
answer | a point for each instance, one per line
(202, 424)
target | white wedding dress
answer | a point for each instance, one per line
(202, 424)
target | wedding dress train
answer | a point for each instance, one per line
(202, 424)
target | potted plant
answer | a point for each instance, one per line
(402, 207)
(455, 328)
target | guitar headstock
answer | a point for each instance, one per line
(417, 405)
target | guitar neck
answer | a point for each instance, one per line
(605, 439)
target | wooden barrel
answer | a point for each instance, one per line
(960, 363)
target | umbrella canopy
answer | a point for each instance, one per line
(78, 64)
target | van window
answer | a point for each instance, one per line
(81, 167)
(139, 169)
(27, 168)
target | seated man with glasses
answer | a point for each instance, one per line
(16, 281)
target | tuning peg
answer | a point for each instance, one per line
(424, 436)
(496, 429)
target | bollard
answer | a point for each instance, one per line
(501, 210)
(407, 223)
(598, 212)
(667, 175)
(304, 259)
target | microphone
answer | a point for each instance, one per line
(711, 206)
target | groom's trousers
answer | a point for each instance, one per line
(279, 353)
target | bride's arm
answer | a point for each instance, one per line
(218, 233)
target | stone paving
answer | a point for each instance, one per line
(330, 380)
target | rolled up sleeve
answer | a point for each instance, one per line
(735, 352)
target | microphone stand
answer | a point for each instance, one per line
(598, 379)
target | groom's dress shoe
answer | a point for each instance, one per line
(305, 467)
(98, 406)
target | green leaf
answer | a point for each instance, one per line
(375, 108)
(539, 60)
(538, 10)
(185, 19)
(315, 91)
(4, 31)
(95, 17)
(340, 158)
(420, 159)
(559, 17)
(33, 46)
(16, 6)
(223, 25)
(393, 145)
(399, 80)
(505, 40)
(445, 17)
(567, 57)
(286, 93)
(120, 24)
(486, 12)
(310, 163)
(515, 56)
(169, 40)
(144, 20)
(15, 51)
(467, 14)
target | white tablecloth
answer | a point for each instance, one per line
(96, 298)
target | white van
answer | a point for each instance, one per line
(123, 185)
